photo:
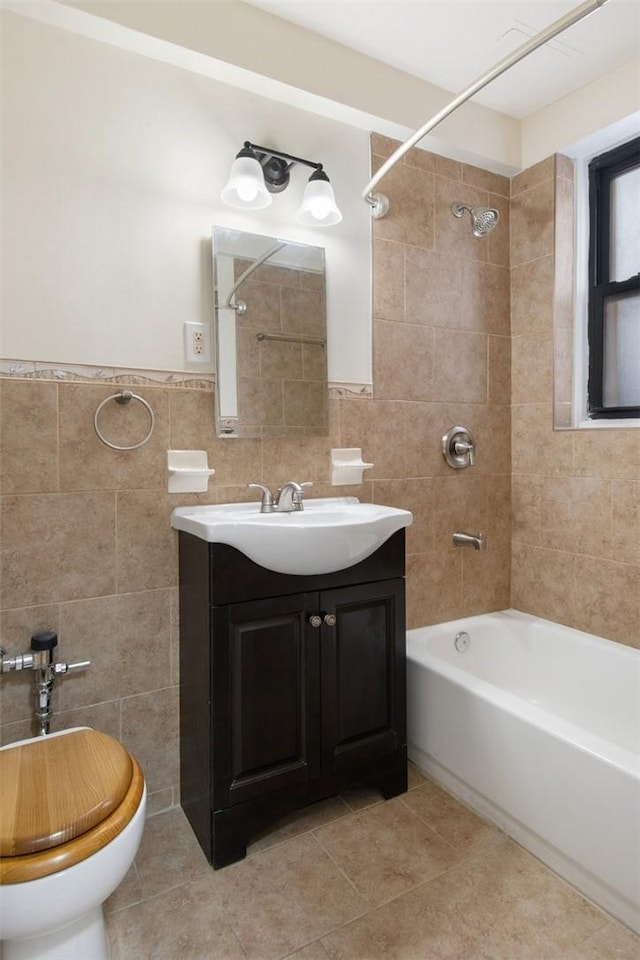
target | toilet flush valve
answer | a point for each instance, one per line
(42, 644)
(41, 660)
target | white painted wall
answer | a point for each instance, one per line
(114, 159)
(112, 168)
(243, 44)
(291, 61)
(594, 107)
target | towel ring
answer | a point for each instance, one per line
(125, 396)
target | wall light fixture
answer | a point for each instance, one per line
(258, 172)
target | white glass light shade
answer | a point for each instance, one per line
(246, 187)
(318, 207)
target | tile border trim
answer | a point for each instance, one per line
(352, 391)
(90, 373)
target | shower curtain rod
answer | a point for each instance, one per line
(378, 202)
(253, 266)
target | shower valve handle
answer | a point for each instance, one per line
(462, 448)
(459, 448)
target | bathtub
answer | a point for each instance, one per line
(537, 727)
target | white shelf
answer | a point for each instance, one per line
(347, 466)
(188, 471)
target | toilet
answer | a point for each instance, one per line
(72, 808)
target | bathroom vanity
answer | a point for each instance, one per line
(292, 687)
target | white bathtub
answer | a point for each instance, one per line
(537, 727)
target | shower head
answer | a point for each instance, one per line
(483, 219)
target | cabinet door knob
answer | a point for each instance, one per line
(330, 619)
(315, 620)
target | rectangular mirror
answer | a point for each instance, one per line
(270, 335)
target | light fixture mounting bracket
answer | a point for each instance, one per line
(276, 166)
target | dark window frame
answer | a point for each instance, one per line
(602, 170)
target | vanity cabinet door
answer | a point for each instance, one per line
(363, 673)
(266, 692)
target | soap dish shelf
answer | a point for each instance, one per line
(188, 471)
(347, 466)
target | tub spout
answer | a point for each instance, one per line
(475, 540)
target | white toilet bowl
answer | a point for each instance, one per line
(53, 887)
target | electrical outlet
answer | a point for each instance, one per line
(197, 342)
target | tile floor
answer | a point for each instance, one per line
(419, 877)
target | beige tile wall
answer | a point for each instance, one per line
(86, 551)
(576, 494)
(87, 548)
(441, 358)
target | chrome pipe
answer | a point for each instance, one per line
(558, 26)
(42, 691)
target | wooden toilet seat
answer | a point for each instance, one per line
(61, 800)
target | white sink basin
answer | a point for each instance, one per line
(327, 535)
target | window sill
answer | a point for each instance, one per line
(608, 424)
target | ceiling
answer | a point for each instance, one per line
(452, 42)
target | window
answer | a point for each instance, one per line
(614, 283)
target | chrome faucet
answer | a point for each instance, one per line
(475, 540)
(287, 499)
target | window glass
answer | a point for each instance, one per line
(614, 283)
(625, 225)
(621, 386)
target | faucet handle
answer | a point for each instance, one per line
(299, 494)
(267, 497)
(464, 448)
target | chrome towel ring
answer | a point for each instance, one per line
(125, 396)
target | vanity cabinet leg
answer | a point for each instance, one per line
(395, 782)
(229, 845)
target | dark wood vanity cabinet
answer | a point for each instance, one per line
(292, 688)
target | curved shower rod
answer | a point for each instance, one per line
(378, 202)
(247, 273)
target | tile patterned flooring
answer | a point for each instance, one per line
(419, 877)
